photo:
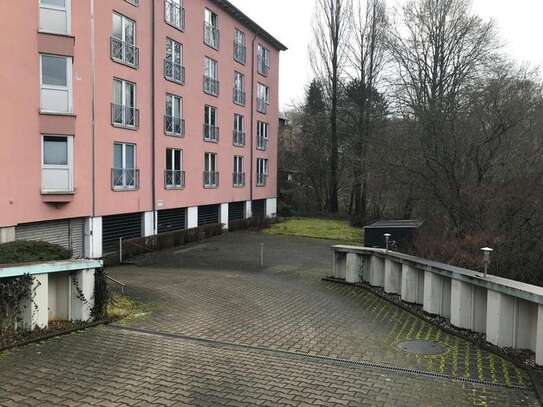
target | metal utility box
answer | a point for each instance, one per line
(402, 233)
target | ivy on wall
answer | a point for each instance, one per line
(15, 294)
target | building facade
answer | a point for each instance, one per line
(128, 118)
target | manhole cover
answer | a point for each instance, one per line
(421, 347)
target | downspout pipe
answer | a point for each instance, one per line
(253, 124)
(153, 110)
(93, 110)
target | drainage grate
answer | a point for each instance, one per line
(421, 347)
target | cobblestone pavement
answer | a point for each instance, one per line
(224, 333)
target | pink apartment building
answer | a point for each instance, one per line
(128, 118)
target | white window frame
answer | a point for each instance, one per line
(174, 168)
(238, 164)
(210, 112)
(212, 160)
(262, 135)
(211, 68)
(262, 170)
(68, 88)
(124, 21)
(124, 84)
(69, 167)
(67, 10)
(174, 99)
(124, 167)
(263, 92)
(263, 54)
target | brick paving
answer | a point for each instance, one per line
(215, 291)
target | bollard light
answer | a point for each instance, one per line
(486, 258)
(387, 239)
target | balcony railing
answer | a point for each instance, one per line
(211, 133)
(239, 97)
(240, 52)
(174, 126)
(261, 105)
(211, 35)
(211, 179)
(123, 179)
(239, 179)
(174, 179)
(124, 53)
(211, 86)
(174, 14)
(174, 72)
(261, 179)
(261, 143)
(239, 138)
(124, 116)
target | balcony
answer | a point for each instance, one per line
(239, 179)
(261, 143)
(239, 138)
(124, 116)
(240, 52)
(261, 105)
(261, 179)
(174, 72)
(125, 179)
(124, 53)
(174, 179)
(211, 36)
(239, 97)
(211, 86)
(211, 133)
(174, 15)
(211, 179)
(174, 126)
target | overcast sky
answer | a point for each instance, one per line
(519, 23)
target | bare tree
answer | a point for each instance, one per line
(328, 56)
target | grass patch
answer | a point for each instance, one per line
(22, 251)
(330, 229)
(127, 309)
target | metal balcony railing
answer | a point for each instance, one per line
(239, 179)
(124, 116)
(261, 179)
(211, 133)
(261, 143)
(211, 86)
(239, 97)
(174, 179)
(124, 53)
(125, 179)
(211, 179)
(261, 105)
(174, 126)
(240, 52)
(239, 138)
(174, 14)
(211, 35)
(174, 72)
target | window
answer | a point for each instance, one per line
(55, 16)
(174, 13)
(239, 86)
(261, 135)
(239, 175)
(262, 98)
(56, 84)
(174, 125)
(263, 63)
(124, 112)
(135, 3)
(211, 131)
(57, 165)
(240, 50)
(211, 176)
(261, 172)
(124, 173)
(211, 77)
(123, 41)
(211, 29)
(174, 175)
(239, 132)
(173, 63)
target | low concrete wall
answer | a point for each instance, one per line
(510, 313)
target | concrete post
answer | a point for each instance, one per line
(224, 216)
(271, 207)
(377, 271)
(393, 277)
(539, 337)
(35, 313)
(340, 265)
(192, 217)
(7, 234)
(437, 294)
(412, 285)
(353, 268)
(59, 296)
(93, 238)
(248, 209)
(468, 306)
(81, 307)
(150, 228)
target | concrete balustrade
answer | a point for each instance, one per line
(510, 313)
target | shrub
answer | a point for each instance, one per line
(23, 251)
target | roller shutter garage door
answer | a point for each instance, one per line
(68, 233)
(171, 220)
(259, 208)
(236, 211)
(128, 226)
(208, 215)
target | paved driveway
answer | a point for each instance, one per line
(225, 332)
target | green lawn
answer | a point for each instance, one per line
(318, 228)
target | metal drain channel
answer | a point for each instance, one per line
(361, 363)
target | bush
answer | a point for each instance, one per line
(23, 251)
